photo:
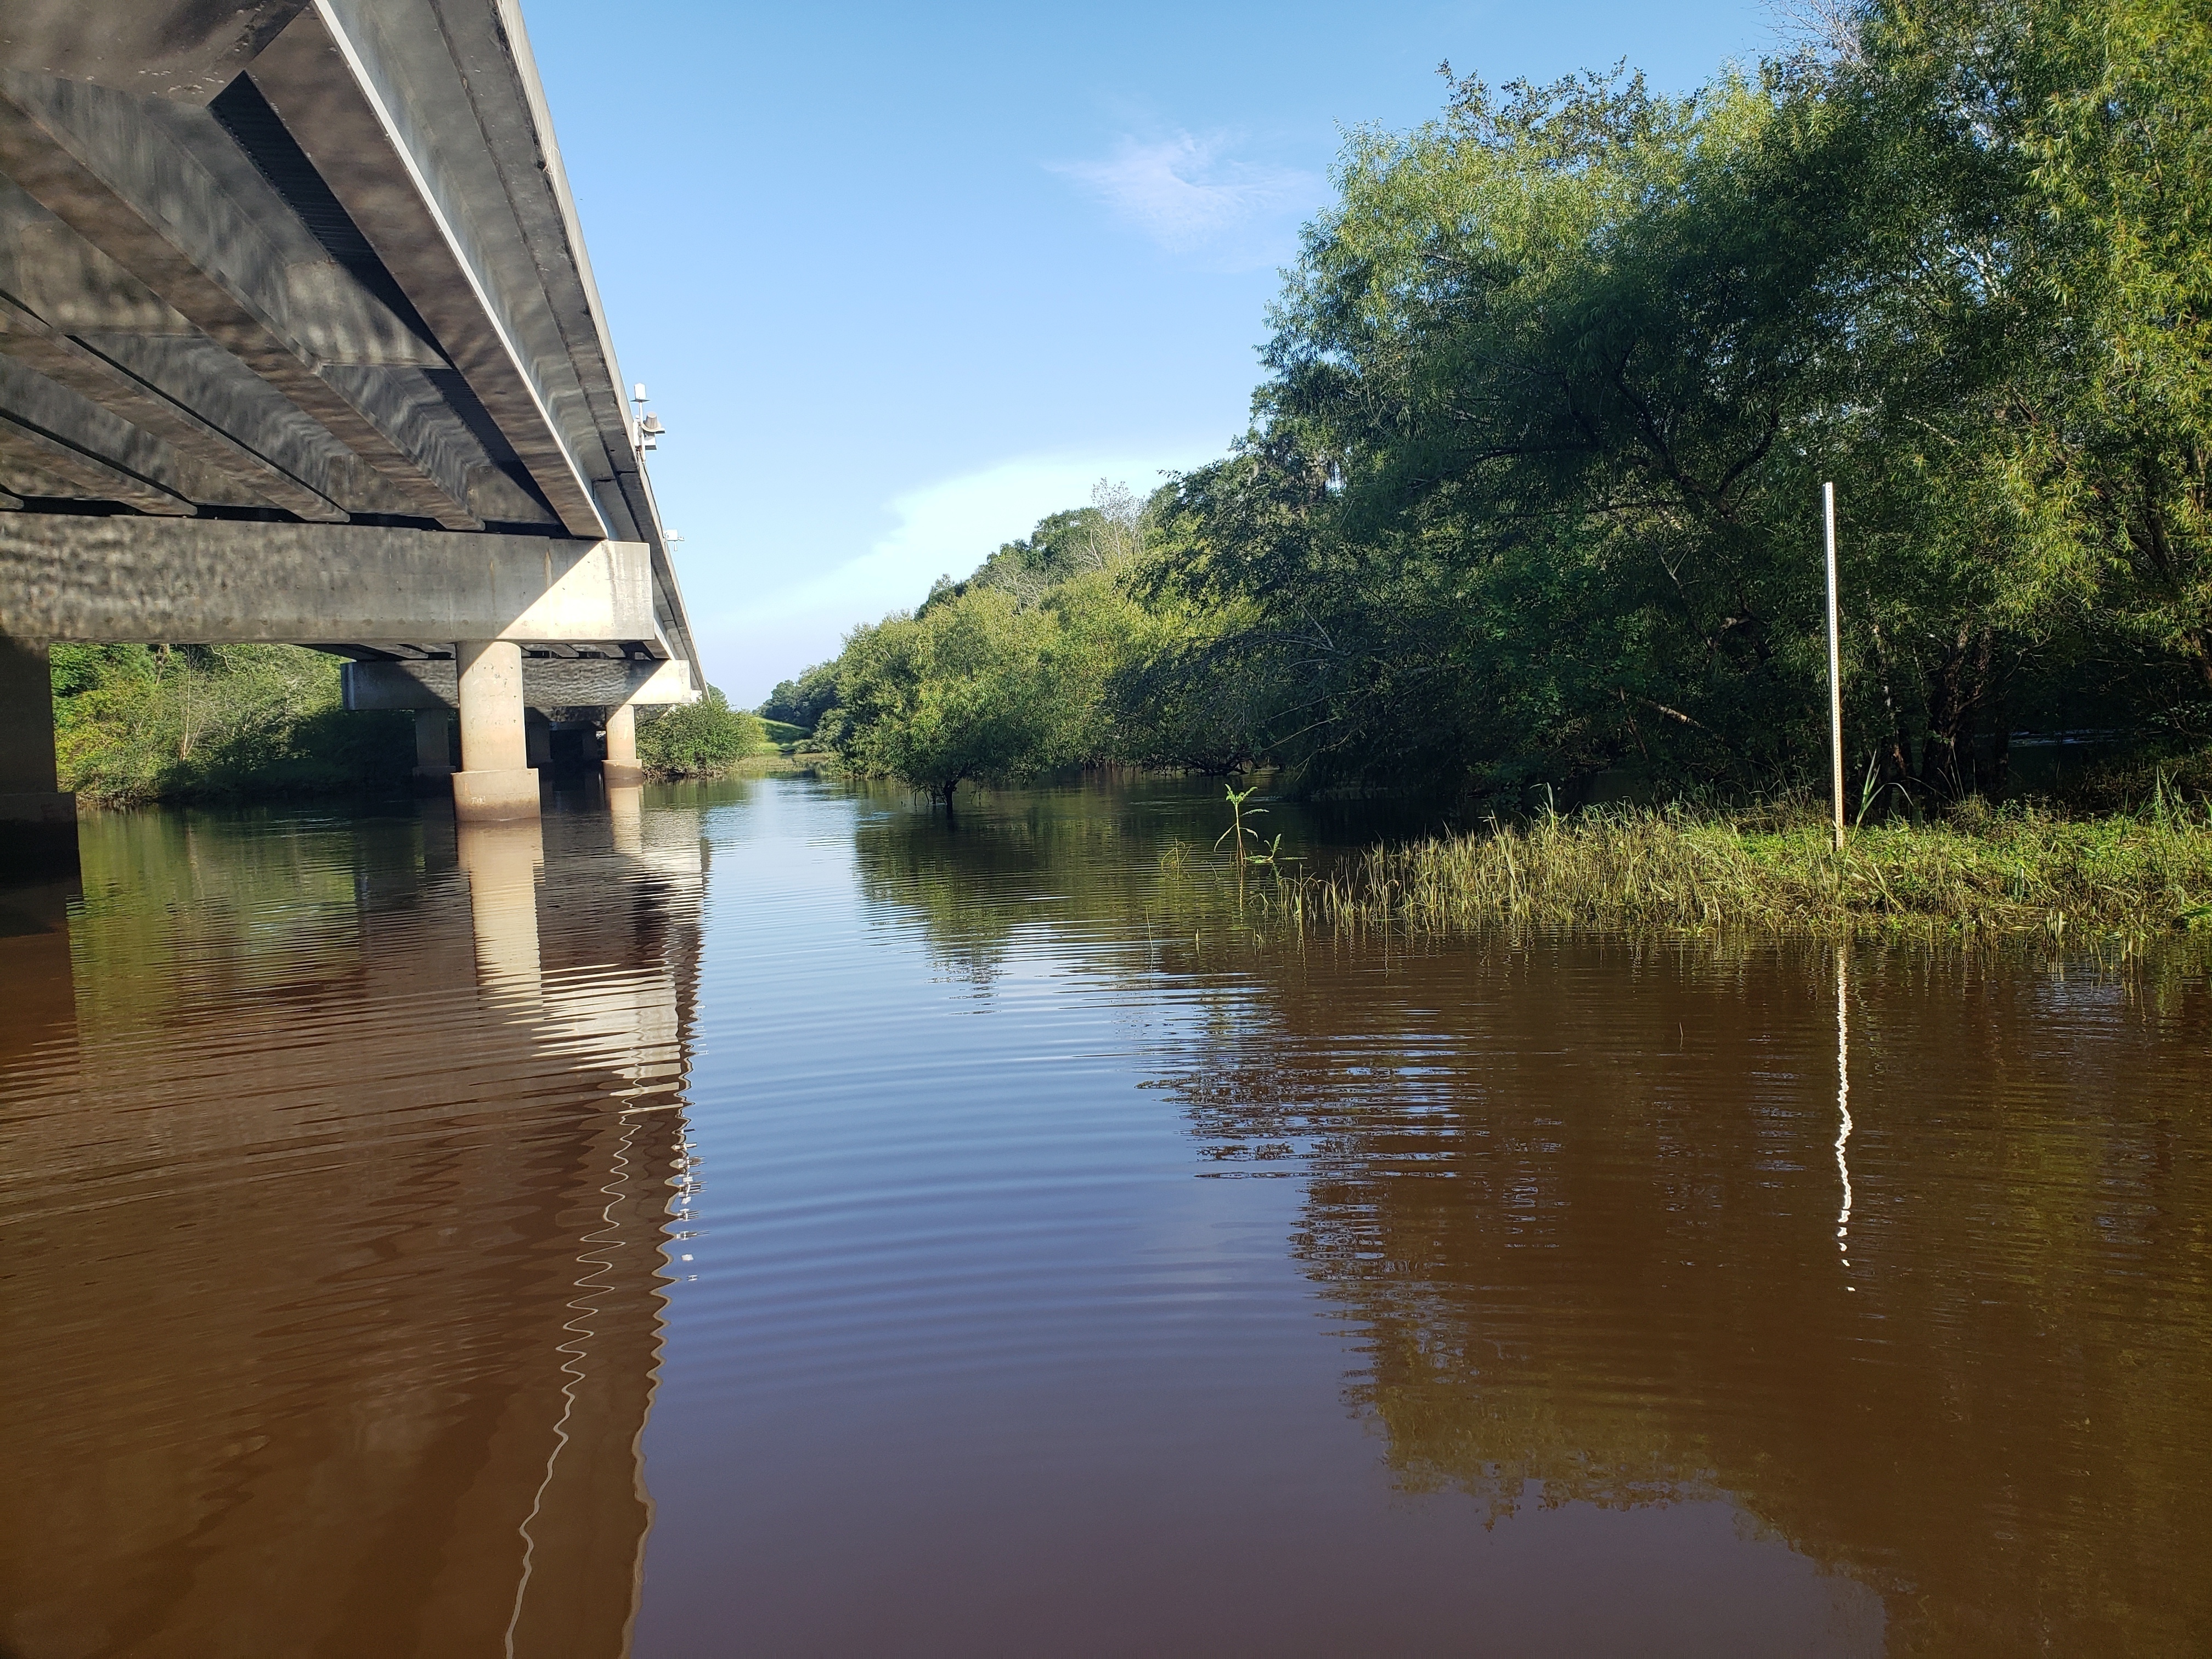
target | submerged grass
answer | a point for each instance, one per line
(2016, 870)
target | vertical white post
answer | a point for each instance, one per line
(1835, 666)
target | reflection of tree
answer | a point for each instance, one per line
(1578, 1203)
(1126, 874)
(1577, 1200)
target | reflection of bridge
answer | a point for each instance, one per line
(299, 343)
(314, 1350)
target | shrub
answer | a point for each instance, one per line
(698, 739)
(134, 723)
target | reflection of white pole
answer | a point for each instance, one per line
(1844, 1097)
(1835, 665)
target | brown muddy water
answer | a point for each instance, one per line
(776, 1222)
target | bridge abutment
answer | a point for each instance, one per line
(496, 782)
(38, 820)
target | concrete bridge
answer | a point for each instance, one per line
(299, 344)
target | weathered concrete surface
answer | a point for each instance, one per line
(492, 739)
(496, 782)
(266, 257)
(70, 577)
(621, 769)
(500, 797)
(187, 53)
(547, 683)
(38, 822)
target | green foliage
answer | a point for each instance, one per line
(1533, 489)
(1023, 668)
(963, 690)
(134, 724)
(803, 702)
(1532, 492)
(699, 739)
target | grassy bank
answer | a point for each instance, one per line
(2012, 870)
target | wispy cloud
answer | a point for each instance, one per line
(1189, 195)
(944, 528)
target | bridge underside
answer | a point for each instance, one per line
(299, 343)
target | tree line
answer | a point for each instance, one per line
(1531, 490)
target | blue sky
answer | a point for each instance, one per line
(902, 279)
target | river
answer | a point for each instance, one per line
(774, 1220)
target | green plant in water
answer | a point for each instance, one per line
(1238, 829)
(1273, 858)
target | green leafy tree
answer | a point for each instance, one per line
(803, 702)
(698, 739)
(965, 690)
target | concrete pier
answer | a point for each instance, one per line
(495, 782)
(37, 821)
(621, 769)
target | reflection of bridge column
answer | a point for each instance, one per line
(496, 781)
(621, 768)
(626, 806)
(503, 861)
(38, 822)
(483, 1426)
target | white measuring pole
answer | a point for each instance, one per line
(1835, 666)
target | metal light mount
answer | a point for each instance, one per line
(645, 429)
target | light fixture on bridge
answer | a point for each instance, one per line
(645, 429)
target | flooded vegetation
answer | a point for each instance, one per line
(773, 1217)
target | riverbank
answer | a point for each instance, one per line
(2005, 872)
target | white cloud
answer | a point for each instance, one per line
(946, 528)
(1189, 196)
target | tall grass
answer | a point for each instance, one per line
(2011, 871)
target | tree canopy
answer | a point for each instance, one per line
(1531, 490)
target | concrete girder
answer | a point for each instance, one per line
(547, 683)
(332, 83)
(187, 53)
(33, 446)
(83, 371)
(203, 582)
(155, 187)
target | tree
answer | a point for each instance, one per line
(960, 692)
(804, 701)
(698, 739)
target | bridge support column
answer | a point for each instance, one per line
(496, 782)
(38, 822)
(621, 769)
(434, 745)
(537, 736)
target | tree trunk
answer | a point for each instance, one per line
(1896, 758)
